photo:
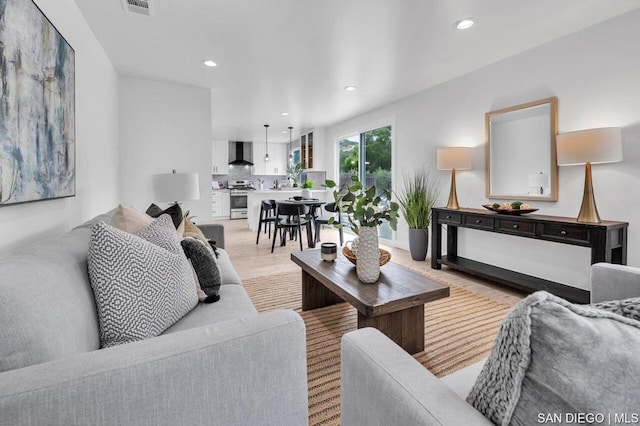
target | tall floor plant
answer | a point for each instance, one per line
(419, 194)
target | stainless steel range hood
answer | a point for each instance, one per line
(241, 153)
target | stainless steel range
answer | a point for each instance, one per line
(238, 190)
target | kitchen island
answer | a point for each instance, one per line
(254, 198)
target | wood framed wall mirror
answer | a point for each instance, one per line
(520, 151)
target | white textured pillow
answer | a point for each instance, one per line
(142, 284)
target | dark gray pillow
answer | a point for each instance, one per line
(142, 283)
(206, 267)
(175, 211)
(551, 356)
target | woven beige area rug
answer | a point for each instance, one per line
(459, 331)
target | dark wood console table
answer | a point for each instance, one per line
(607, 240)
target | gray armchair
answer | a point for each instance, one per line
(614, 282)
(382, 384)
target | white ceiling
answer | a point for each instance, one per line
(298, 55)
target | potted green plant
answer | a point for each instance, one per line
(365, 210)
(306, 188)
(419, 194)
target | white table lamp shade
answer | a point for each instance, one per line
(458, 158)
(539, 179)
(592, 146)
(176, 187)
(589, 146)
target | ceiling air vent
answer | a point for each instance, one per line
(138, 7)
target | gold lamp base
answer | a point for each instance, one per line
(453, 196)
(588, 210)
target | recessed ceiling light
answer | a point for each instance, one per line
(350, 88)
(209, 63)
(464, 24)
(285, 132)
(284, 113)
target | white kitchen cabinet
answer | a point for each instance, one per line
(220, 158)
(221, 205)
(279, 154)
(278, 157)
(258, 158)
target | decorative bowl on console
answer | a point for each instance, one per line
(513, 208)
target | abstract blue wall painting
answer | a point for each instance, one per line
(37, 107)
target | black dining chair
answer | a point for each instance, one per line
(315, 206)
(267, 217)
(324, 220)
(291, 216)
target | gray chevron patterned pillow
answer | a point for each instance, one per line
(142, 283)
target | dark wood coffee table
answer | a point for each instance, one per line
(393, 305)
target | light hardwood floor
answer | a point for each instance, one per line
(251, 260)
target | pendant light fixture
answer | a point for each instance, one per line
(290, 153)
(266, 142)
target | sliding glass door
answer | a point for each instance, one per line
(348, 159)
(368, 156)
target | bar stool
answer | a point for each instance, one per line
(267, 217)
(291, 216)
(324, 220)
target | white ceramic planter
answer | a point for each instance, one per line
(368, 256)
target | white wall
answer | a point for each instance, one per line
(164, 126)
(594, 74)
(97, 168)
